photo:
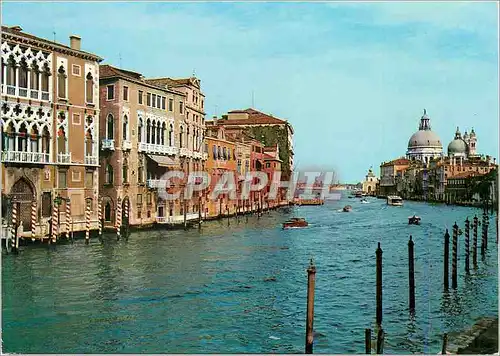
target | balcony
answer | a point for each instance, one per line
(64, 158)
(25, 92)
(25, 157)
(155, 183)
(153, 148)
(11, 90)
(205, 156)
(176, 219)
(108, 144)
(91, 160)
(183, 152)
(126, 145)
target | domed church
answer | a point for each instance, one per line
(463, 148)
(424, 144)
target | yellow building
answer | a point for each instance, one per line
(370, 183)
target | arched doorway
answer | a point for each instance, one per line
(107, 212)
(22, 193)
(369, 189)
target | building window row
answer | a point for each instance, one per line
(155, 101)
(223, 153)
(24, 80)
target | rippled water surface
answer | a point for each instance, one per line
(242, 288)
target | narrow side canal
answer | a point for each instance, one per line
(242, 288)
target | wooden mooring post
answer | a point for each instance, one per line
(311, 279)
(474, 242)
(378, 254)
(445, 344)
(467, 235)
(368, 341)
(380, 341)
(454, 258)
(446, 277)
(411, 275)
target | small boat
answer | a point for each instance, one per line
(358, 194)
(364, 201)
(347, 209)
(413, 220)
(294, 223)
(394, 200)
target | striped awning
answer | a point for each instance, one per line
(163, 161)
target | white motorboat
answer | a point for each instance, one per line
(394, 200)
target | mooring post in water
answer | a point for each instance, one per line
(467, 235)
(379, 284)
(227, 214)
(483, 234)
(486, 225)
(445, 344)
(311, 279)
(454, 257)
(474, 242)
(368, 341)
(411, 275)
(199, 211)
(446, 259)
(380, 341)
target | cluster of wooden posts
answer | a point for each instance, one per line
(57, 229)
(311, 271)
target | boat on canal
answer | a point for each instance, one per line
(347, 209)
(358, 194)
(413, 220)
(295, 223)
(394, 200)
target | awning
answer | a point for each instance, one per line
(163, 161)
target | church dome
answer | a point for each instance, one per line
(457, 146)
(424, 138)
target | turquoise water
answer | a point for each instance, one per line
(242, 288)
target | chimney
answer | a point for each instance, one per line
(74, 42)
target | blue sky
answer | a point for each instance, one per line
(352, 78)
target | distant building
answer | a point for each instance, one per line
(370, 183)
(266, 128)
(389, 173)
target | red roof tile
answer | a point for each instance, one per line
(255, 117)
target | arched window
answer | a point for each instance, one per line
(171, 135)
(45, 78)
(34, 137)
(125, 171)
(180, 137)
(187, 138)
(109, 174)
(158, 133)
(224, 153)
(110, 127)
(89, 143)
(11, 72)
(10, 137)
(23, 78)
(163, 129)
(61, 82)
(35, 77)
(139, 130)
(22, 138)
(148, 131)
(45, 140)
(214, 151)
(219, 152)
(125, 128)
(89, 88)
(61, 140)
(153, 132)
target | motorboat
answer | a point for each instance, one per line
(294, 223)
(358, 194)
(347, 209)
(364, 201)
(394, 200)
(413, 220)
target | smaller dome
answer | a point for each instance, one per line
(457, 146)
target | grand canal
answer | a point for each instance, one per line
(242, 288)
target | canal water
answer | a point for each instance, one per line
(242, 288)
